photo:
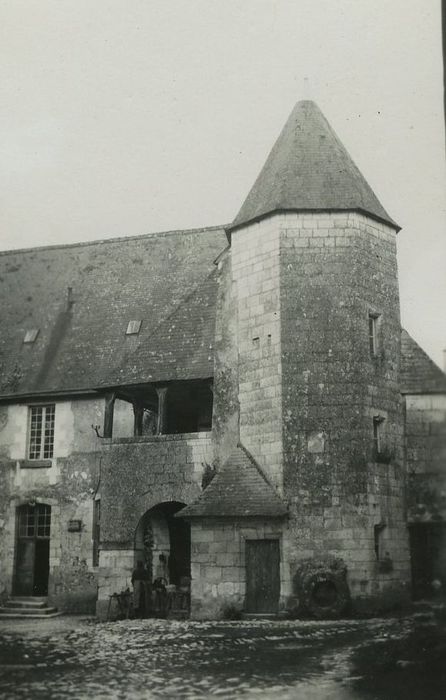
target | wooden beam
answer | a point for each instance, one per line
(138, 412)
(162, 409)
(109, 411)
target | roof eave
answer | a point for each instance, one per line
(221, 516)
(44, 395)
(424, 392)
(300, 210)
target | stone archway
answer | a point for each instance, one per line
(162, 543)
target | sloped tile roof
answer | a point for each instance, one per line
(180, 347)
(239, 489)
(309, 169)
(419, 374)
(165, 280)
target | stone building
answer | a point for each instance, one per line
(229, 397)
(423, 386)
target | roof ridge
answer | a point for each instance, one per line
(118, 239)
(255, 464)
(240, 489)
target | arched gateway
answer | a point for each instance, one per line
(162, 543)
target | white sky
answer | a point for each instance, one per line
(122, 117)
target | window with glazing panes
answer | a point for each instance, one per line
(35, 521)
(41, 431)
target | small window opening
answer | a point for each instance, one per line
(133, 328)
(41, 431)
(377, 433)
(373, 333)
(377, 536)
(31, 335)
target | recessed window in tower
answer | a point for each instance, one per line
(378, 422)
(377, 533)
(373, 334)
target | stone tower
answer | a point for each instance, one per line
(307, 369)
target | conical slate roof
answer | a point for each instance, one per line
(239, 489)
(419, 374)
(309, 169)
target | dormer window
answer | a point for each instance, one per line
(133, 328)
(31, 335)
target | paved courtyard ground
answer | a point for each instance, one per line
(72, 657)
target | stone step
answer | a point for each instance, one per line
(260, 616)
(26, 611)
(30, 616)
(16, 603)
(26, 607)
(178, 615)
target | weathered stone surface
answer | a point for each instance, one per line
(68, 486)
(426, 456)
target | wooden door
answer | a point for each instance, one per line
(33, 550)
(262, 576)
(24, 571)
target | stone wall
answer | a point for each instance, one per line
(336, 270)
(426, 457)
(67, 485)
(123, 419)
(226, 408)
(218, 564)
(256, 276)
(136, 475)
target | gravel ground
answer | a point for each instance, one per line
(75, 657)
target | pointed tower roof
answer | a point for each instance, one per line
(239, 489)
(309, 169)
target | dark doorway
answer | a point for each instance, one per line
(428, 559)
(262, 576)
(33, 550)
(160, 534)
(179, 560)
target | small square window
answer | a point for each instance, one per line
(133, 328)
(31, 335)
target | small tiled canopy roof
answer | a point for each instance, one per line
(419, 374)
(165, 280)
(239, 489)
(309, 169)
